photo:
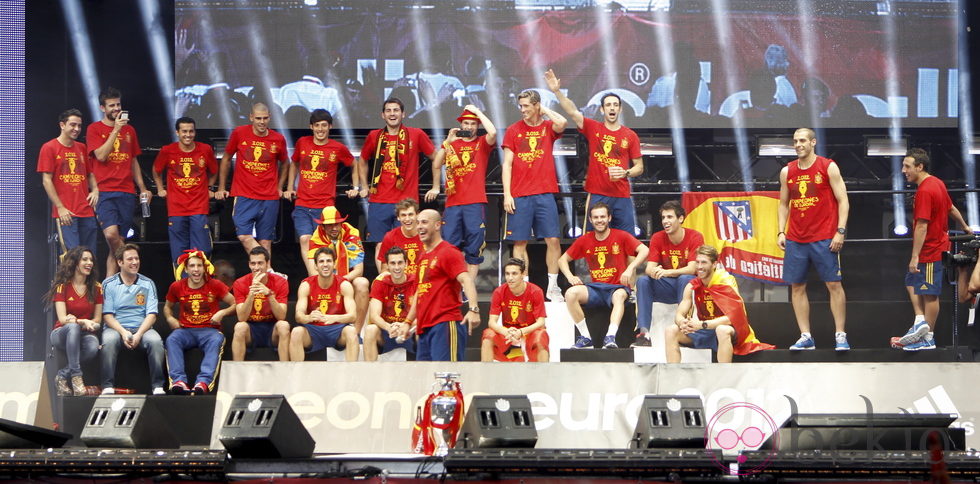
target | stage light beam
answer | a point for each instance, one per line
(82, 45)
(723, 27)
(150, 13)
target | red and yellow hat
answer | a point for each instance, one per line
(330, 215)
(182, 263)
(467, 114)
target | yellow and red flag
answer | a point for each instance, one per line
(743, 226)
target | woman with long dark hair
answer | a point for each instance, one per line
(77, 298)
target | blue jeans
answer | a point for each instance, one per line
(78, 346)
(667, 290)
(150, 343)
(83, 231)
(211, 342)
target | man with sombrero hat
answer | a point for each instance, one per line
(345, 240)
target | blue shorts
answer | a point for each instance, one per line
(116, 208)
(262, 335)
(928, 281)
(188, 232)
(388, 343)
(667, 290)
(601, 294)
(621, 209)
(464, 226)
(537, 212)
(445, 341)
(83, 231)
(704, 339)
(798, 257)
(324, 336)
(261, 215)
(303, 220)
(380, 219)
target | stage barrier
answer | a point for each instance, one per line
(370, 407)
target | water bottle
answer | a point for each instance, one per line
(145, 204)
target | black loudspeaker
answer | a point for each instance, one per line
(15, 435)
(264, 426)
(888, 431)
(498, 421)
(669, 422)
(127, 421)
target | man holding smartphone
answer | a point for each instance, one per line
(114, 149)
(465, 156)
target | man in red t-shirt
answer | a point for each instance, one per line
(516, 329)
(930, 239)
(196, 298)
(394, 174)
(391, 296)
(316, 159)
(113, 147)
(324, 312)
(812, 215)
(442, 329)
(70, 184)
(405, 236)
(670, 266)
(530, 182)
(261, 162)
(262, 297)
(191, 168)
(465, 158)
(612, 256)
(612, 149)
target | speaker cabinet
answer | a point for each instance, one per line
(263, 427)
(498, 421)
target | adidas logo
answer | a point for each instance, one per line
(936, 401)
(923, 287)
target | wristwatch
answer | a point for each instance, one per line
(474, 309)
(842, 230)
(704, 325)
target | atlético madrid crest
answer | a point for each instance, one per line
(733, 220)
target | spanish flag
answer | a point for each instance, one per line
(724, 292)
(743, 226)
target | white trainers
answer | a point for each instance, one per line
(554, 294)
(108, 391)
(159, 391)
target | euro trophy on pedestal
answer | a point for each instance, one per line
(437, 422)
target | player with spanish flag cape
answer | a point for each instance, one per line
(724, 292)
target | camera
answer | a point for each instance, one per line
(969, 249)
(464, 134)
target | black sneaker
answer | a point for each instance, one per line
(642, 340)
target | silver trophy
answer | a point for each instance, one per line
(442, 410)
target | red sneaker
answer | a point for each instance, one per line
(200, 389)
(180, 388)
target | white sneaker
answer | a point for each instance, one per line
(159, 391)
(108, 391)
(554, 294)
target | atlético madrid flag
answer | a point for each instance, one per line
(743, 227)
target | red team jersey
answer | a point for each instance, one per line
(438, 291)
(398, 176)
(609, 148)
(533, 171)
(932, 204)
(395, 299)
(75, 304)
(705, 304)
(261, 312)
(328, 300)
(518, 311)
(671, 256)
(69, 167)
(411, 245)
(812, 205)
(317, 166)
(466, 172)
(197, 306)
(115, 174)
(257, 161)
(607, 259)
(187, 177)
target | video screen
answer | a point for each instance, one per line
(757, 64)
